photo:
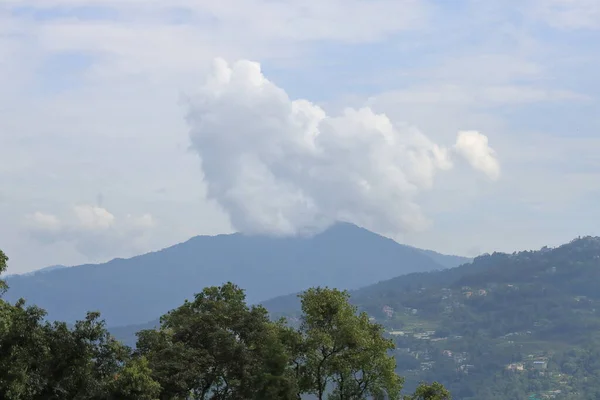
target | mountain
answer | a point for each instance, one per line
(507, 326)
(447, 261)
(42, 271)
(139, 289)
(504, 327)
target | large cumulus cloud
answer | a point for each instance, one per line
(282, 166)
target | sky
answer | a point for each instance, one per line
(463, 126)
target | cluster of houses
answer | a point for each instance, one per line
(540, 364)
(460, 358)
(468, 292)
(427, 360)
(389, 311)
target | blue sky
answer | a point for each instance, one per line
(92, 102)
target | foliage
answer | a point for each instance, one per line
(39, 360)
(134, 382)
(494, 318)
(435, 391)
(215, 347)
(344, 350)
(3, 266)
(45, 361)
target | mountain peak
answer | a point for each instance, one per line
(139, 289)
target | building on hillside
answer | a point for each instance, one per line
(515, 367)
(388, 311)
(540, 365)
(397, 333)
(427, 365)
(466, 368)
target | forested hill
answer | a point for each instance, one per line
(572, 269)
(507, 326)
(139, 289)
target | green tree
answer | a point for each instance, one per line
(40, 360)
(216, 347)
(345, 356)
(23, 351)
(435, 391)
(46, 361)
(134, 382)
(3, 267)
(81, 362)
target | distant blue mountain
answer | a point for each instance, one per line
(39, 271)
(139, 289)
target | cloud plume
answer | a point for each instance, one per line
(282, 166)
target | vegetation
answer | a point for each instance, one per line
(215, 347)
(508, 326)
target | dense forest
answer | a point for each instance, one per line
(507, 326)
(524, 325)
(212, 347)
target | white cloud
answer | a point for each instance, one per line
(167, 39)
(146, 221)
(284, 166)
(39, 221)
(477, 97)
(90, 88)
(474, 147)
(93, 217)
(93, 230)
(568, 14)
(309, 20)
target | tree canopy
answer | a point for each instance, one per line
(3, 266)
(214, 347)
(343, 350)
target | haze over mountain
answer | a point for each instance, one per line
(139, 289)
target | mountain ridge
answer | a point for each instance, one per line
(138, 289)
(505, 326)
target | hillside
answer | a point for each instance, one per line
(507, 326)
(139, 289)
